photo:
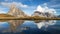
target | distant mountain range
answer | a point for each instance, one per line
(58, 16)
(16, 12)
(45, 14)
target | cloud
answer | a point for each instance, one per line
(40, 24)
(2, 10)
(52, 10)
(6, 0)
(1, 23)
(45, 24)
(18, 4)
(39, 8)
(55, 0)
(45, 8)
(56, 6)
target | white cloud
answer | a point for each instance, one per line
(55, 6)
(45, 23)
(40, 25)
(52, 10)
(18, 4)
(3, 23)
(6, 0)
(45, 9)
(2, 10)
(55, 0)
(39, 8)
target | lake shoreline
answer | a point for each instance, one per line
(29, 18)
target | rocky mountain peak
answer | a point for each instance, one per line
(43, 14)
(14, 11)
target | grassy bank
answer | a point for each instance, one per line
(28, 18)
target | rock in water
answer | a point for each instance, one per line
(14, 11)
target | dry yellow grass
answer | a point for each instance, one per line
(28, 18)
(9, 17)
(5, 15)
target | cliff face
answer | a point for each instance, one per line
(45, 14)
(14, 11)
(49, 15)
(37, 13)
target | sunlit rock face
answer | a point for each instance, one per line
(45, 23)
(14, 11)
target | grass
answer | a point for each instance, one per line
(9, 17)
(28, 18)
(5, 15)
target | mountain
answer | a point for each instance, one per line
(14, 11)
(43, 14)
(49, 15)
(14, 24)
(37, 13)
(58, 16)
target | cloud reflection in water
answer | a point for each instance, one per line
(45, 23)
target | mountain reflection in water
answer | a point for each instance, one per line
(13, 24)
(20, 25)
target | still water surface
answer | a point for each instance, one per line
(32, 27)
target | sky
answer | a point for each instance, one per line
(30, 6)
